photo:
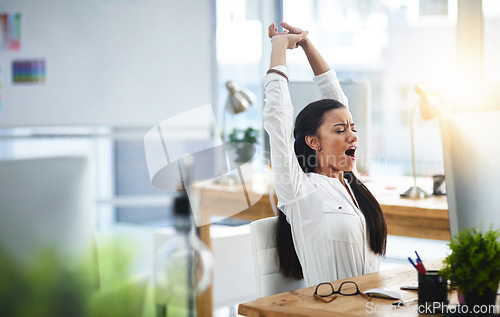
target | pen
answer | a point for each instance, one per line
(411, 261)
(421, 268)
(418, 257)
(420, 265)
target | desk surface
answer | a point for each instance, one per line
(420, 218)
(301, 302)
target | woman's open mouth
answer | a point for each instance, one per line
(351, 152)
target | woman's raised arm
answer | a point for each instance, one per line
(326, 80)
(281, 42)
(317, 62)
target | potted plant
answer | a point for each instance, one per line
(243, 142)
(474, 265)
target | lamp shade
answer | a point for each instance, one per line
(431, 104)
(240, 99)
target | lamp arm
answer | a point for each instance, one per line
(224, 124)
(412, 119)
(224, 139)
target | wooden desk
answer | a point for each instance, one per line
(420, 218)
(222, 201)
(301, 302)
(230, 201)
(425, 218)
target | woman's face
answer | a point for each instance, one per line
(338, 141)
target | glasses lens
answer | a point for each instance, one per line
(324, 289)
(348, 288)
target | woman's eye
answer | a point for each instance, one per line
(354, 130)
(340, 131)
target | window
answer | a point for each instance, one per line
(137, 200)
(239, 46)
(394, 45)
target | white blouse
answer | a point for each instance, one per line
(328, 229)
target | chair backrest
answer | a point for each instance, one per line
(269, 279)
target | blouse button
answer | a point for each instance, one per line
(340, 207)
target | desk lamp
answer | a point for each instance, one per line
(431, 105)
(238, 100)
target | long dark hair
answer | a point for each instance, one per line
(307, 123)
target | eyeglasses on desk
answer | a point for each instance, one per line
(325, 292)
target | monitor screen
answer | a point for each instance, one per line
(45, 203)
(471, 149)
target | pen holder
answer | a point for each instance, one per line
(432, 292)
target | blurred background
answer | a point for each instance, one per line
(91, 78)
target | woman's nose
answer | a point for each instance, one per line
(352, 137)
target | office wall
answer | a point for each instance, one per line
(119, 63)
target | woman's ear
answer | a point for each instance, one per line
(313, 142)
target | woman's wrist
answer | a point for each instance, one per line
(279, 41)
(305, 43)
(278, 51)
(277, 71)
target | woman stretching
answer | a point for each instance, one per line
(330, 226)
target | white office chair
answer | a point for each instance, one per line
(269, 279)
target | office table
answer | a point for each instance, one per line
(229, 200)
(425, 218)
(419, 218)
(301, 302)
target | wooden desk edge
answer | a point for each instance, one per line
(276, 305)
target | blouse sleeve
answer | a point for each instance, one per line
(329, 87)
(290, 182)
(279, 124)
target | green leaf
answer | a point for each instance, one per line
(474, 264)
